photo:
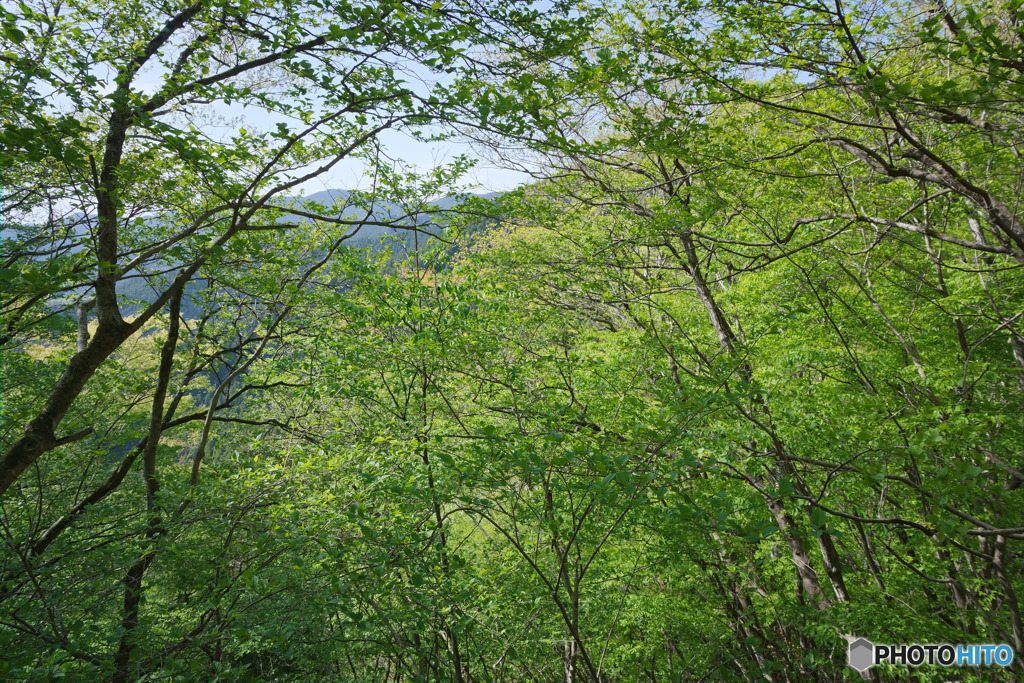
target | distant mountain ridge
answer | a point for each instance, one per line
(372, 234)
(366, 236)
(386, 210)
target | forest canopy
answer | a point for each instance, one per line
(736, 379)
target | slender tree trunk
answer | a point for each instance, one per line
(133, 581)
(783, 468)
(450, 637)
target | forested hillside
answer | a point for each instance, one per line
(735, 380)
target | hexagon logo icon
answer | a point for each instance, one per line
(861, 654)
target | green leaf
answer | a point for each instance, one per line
(14, 34)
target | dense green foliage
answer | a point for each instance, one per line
(737, 380)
